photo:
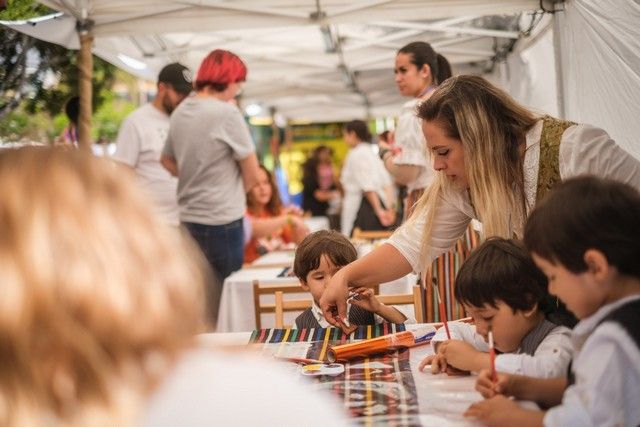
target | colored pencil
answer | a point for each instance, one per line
(443, 311)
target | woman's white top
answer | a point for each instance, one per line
(413, 147)
(584, 150)
(362, 171)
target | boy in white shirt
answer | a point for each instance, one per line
(501, 288)
(585, 237)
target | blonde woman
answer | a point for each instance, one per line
(100, 302)
(494, 159)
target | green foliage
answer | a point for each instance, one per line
(31, 109)
(21, 86)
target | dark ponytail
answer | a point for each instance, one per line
(422, 53)
(444, 69)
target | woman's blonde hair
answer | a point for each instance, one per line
(491, 127)
(98, 297)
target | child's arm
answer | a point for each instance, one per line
(551, 358)
(547, 392)
(367, 300)
(502, 411)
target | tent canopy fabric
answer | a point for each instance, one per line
(328, 60)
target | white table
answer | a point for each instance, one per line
(236, 312)
(442, 399)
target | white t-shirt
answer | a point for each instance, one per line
(584, 150)
(410, 139)
(208, 138)
(220, 388)
(139, 144)
(362, 171)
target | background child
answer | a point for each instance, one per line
(500, 287)
(318, 257)
(273, 225)
(586, 239)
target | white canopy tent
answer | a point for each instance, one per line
(332, 60)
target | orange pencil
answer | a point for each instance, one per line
(492, 357)
(443, 312)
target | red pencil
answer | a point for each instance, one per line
(492, 357)
(443, 312)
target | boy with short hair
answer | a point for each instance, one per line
(317, 258)
(501, 288)
(585, 236)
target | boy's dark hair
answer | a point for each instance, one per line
(324, 242)
(587, 213)
(501, 270)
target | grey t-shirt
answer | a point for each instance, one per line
(208, 137)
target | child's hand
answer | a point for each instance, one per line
(460, 355)
(437, 361)
(364, 298)
(487, 389)
(497, 411)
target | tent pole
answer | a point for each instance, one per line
(557, 51)
(85, 69)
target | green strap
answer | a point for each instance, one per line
(549, 169)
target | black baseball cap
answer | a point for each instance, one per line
(178, 76)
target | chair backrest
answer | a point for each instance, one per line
(370, 234)
(413, 298)
(282, 306)
(262, 290)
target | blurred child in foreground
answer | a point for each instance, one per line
(585, 237)
(100, 304)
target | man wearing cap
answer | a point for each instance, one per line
(143, 134)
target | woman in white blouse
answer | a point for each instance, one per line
(493, 159)
(418, 70)
(367, 186)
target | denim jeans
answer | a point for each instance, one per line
(222, 245)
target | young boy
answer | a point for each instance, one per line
(585, 237)
(501, 288)
(317, 259)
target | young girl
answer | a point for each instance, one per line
(501, 288)
(273, 226)
(585, 237)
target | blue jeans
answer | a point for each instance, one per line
(222, 245)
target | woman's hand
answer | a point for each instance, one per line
(387, 217)
(333, 302)
(486, 387)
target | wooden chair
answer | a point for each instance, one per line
(414, 298)
(261, 290)
(282, 306)
(371, 235)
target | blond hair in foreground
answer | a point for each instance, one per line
(97, 295)
(492, 128)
